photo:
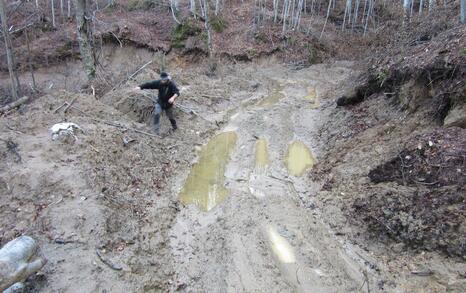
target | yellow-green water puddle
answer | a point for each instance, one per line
(312, 97)
(262, 155)
(299, 158)
(204, 186)
(271, 99)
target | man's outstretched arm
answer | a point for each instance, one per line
(149, 85)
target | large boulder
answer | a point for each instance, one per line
(19, 259)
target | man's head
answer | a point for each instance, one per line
(164, 77)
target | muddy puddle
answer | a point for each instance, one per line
(312, 97)
(262, 155)
(204, 186)
(271, 99)
(280, 246)
(299, 158)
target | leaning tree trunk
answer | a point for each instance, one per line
(84, 28)
(9, 52)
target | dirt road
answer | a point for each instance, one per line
(266, 235)
(226, 204)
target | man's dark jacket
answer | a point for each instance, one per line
(166, 91)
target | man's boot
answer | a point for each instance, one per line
(173, 122)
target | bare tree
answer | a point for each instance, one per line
(217, 6)
(369, 13)
(463, 11)
(174, 10)
(347, 12)
(275, 10)
(192, 7)
(432, 4)
(326, 18)
(31, 69)
(53, 12)
(201, 5)
(355, 14)
(85, 38)
(9, 52)
(208, 29)
(364, 11)
(407, 8)
(62, 8)
(285, 10)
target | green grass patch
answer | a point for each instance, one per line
(218, 24)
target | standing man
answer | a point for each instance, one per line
(168, 92)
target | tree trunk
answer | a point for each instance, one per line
(463, 11)
(364, 11)
(412, 9)
(217, 6)
(207, 28)
(344, 16)
(9, 52)
(369, 9)
(192, 7)
(53, 12)
(174, 10)
(84, 30)
(326, 19)
(406, 7)
(31, 69)
(355, 14)
(431, 5)
(275, 10)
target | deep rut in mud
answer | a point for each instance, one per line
(262, 237)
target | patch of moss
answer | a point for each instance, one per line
(140, 4)
(261, 37)
(183, 31)
(218, 24)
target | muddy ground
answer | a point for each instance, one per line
(114, 192)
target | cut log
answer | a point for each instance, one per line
(14, 104)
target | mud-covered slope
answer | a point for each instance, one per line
(395, 158)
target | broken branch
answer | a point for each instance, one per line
(70, 104)
(108, 262)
